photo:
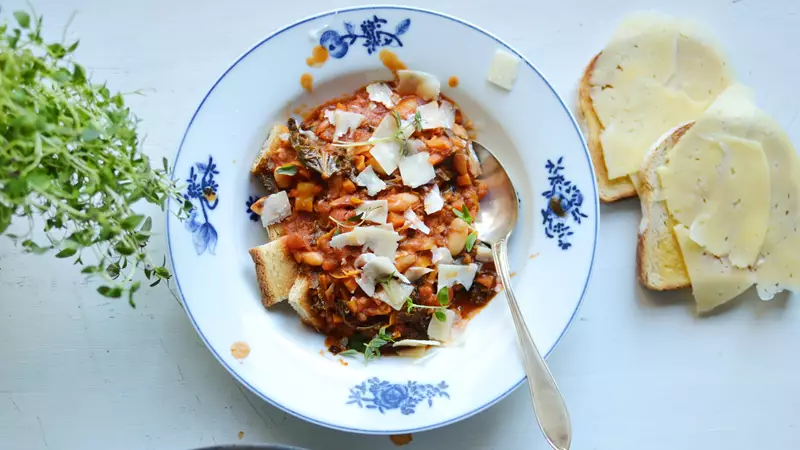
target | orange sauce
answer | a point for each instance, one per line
(401, 439)
(343, 362)
(307, 81)
(391, 61)
(452, 81)
(533, 255)
(319, 55)
(240, 350)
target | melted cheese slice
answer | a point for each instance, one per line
(647, 81)
(719, 187)
(714, 281)
(716, 188)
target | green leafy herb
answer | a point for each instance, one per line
(372, 349)
(357, 218)
(386, 279)
(348, 352)
(398, 135)
(471, 241)
(70, 156)
(443, 296)
(463, 214)
(288, 169)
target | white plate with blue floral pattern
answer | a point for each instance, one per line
(529, 127)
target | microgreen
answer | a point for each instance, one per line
(443, 297)
(288, 169)
(398, 135)
(71, 157)
(463, 214)
(372, 349)
(348, 352)
(471, 241)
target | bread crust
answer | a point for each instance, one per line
(610, 190)
(656, 237)
(276, 271)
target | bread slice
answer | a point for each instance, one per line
(272, 143)
(610, 190)
(659, 260)
(276, 271)
(300, 299)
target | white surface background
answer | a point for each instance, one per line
(637, 369)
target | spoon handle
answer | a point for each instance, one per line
(549, 407)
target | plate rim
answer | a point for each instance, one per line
(561, 101)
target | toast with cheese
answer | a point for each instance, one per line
(276, 271)
(610, 190)
(659, 261)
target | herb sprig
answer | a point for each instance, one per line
(398, 135)
(443, 297)
(372, 349)
(463, 214)
(70, 156)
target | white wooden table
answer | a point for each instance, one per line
(638, 370)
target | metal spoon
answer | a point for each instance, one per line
(495, 222)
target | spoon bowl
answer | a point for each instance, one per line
(500, 206)
(495, 223)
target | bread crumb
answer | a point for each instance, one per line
(241, 435)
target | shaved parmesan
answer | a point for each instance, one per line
(344, 121)
(441, 255)
(415, 273)
(387, 153)
(328, 114)
(441, 330)
(380, 93)
(415, 146)
(416, 343)
(374, 210)
(374, 268)
(484, 253)
(276, 208)
(415, 222)
(447, 112)
(416, 170)
(430, 116)
(452, 274)
(370, 180)
(395, 294)
(284, 137)
(503, 70)
(380, 240)
(422, 84)
(433, 200)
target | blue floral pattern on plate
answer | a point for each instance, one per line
(384, 396)
(564, 201)
(202, 192)
(250, 200)
(371, 30)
